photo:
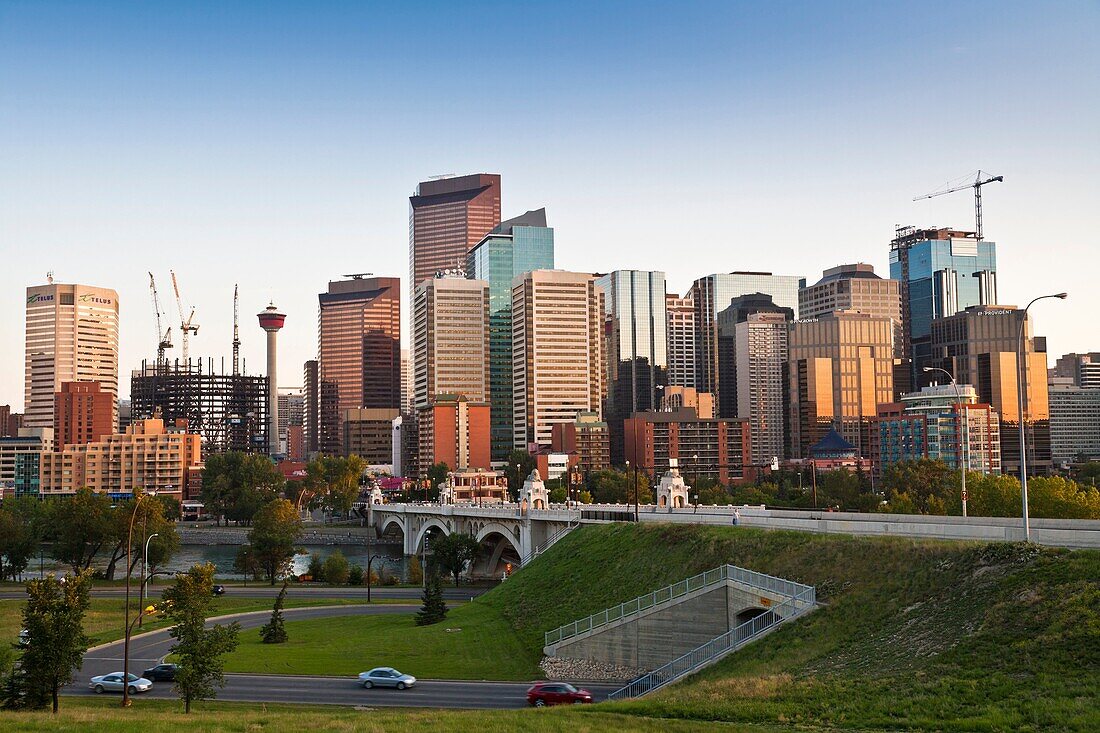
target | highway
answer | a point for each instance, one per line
(150, 649)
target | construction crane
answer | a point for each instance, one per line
(977, 186)
(236, 334)
(164, 338)
(187, 325)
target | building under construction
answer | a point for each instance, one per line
(229, 411)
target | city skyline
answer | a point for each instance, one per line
(127, 153)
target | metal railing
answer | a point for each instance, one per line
(548, 542)
(709, 579)
(718, 647)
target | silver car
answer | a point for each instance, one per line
(386, 677)
(113, 683)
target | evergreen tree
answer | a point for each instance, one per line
(274, 632)
(434, 609)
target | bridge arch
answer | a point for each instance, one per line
(427, 527)
(391, 523)
(498, 547)
(510, 534)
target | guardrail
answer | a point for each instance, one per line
(710, 578)
(548, 543)
(718, 647)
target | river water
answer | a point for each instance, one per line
(390, 557)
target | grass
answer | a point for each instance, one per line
(153, 716)
(473, 643)
(105, 617)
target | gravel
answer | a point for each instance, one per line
(565, 668)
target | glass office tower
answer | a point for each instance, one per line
(636, 347)
(941, 272)
(513, 248)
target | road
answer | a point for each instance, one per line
(462, 593)
(150, 649)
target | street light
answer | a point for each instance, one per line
(1021, 373)
(370, 560)
(144, 559)
(126, 613)
(964, 439)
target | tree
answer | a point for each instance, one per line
(416, 571)
(275, 532)
(926, 483)
(617, 487)
(342, 482)
(199, 650)
(454, 552)
(516, 477)
(245, 562)
(434, 608)
(316, 570)
(20, 533)
(54, 619)
(558, 495)
(148, 519)
(236, 485)
(274, 631)
(80, 526)
(356, 575)
(336, 568)
(437, 475)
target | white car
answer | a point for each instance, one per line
(113, 683)
(386, 677)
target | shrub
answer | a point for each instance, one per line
(355, 575)
(336, 568)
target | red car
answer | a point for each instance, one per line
(542, 694)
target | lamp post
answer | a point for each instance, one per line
(126, 613)
(1021, 373)
(964, 438)
(144, 559)
(370, 560)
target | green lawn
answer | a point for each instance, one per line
(104, 619)
(478, 645)
(153, 716)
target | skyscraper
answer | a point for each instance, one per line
(712, 294)
(450, 339)
(447, 218)
(738, 311)
(513, 248)
(72, 336)
(680, 326)
(979, 347)
(940, 272)
(82, 414)
(359, 341)
(761, 360)
(636, 347)
(557, 352)
(840, 368)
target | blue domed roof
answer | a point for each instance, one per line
(833, 445)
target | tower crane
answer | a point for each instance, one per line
(187, 326)
(164, 338)
(236, 334)
(977, 186)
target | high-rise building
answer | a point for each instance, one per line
(979, 346)
(587, 437)
(28, 441)
(321, 418)
(447, 218)
(761, 360)
(149, 456)
(715, 448)
(454, 431)
(359, 341)
(635, 347)
(557, 352)
(940, 272)
(1082, 369)
(839, 369)
(408, 389)
(680, 327)
(72, 336)
(450, 340)
(291, 414)
(930, 424)
(713, 294)
(83, 413)
(738, 311)
(5, 419)
(1074, 422)
(513, 248)
(368, 433)
(676, 397)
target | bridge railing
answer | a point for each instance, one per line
(548, 543)
(709, 579)
(718, 647)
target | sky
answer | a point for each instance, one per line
(275, 145)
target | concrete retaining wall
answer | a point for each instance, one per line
(213, 535)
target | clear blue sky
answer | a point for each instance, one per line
(275, 144)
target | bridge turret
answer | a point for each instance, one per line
(672, 493)
(534, 495)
